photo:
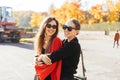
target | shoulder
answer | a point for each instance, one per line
(57, 39)
(56, 44)
(76, 43)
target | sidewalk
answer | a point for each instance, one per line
(102, 61)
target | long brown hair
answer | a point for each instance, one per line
(39, 40)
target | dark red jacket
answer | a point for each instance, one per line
(117, 36)
(42, 71)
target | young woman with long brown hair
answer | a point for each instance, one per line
(46, 41)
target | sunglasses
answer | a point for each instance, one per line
(69, 28)
(51, 26)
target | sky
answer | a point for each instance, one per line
(43, 5)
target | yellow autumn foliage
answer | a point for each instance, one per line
(96, 11)
(35, 19)
(68, 10)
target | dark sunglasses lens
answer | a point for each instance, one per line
(66, 27)
(48, 26)
(54, 26)
(69, 28)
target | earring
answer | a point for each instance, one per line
(76, 33)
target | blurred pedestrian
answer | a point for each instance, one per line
(116, 39)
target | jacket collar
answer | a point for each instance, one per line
(73, 40)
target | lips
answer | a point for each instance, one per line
(50, 31)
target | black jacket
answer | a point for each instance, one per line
(69, 53)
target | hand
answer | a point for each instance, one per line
(46, 59)
(35, 60)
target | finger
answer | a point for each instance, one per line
(48, 54)
(46, 60)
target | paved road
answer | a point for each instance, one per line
(16, 61)
(102, 61)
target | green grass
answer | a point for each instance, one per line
(28, 40)
(101, 26)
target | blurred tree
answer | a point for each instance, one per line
(60, 13)
(69, 10)
(51, 7)
(118, 9)
(24, 18)
(35, 19)
(113, 12)
(96, 12)
(16, 18)
(113, 15)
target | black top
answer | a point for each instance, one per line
(43, 50)
(69, 53)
